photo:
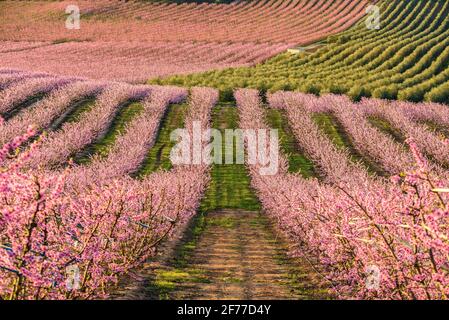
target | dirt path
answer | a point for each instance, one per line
(228, 254)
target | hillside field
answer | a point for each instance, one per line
(224, 150)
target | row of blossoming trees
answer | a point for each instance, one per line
(374, 237)
(69, 231)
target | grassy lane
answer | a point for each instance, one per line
(102, 146)
(159, 155)
(297, 161)
(335, 131)
(406, 59)
(230, 184)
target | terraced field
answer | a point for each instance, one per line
(158, 39)
(406, 59)
(268, 21)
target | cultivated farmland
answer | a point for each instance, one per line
(160, 39)
(407, 59)
(94, 206)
